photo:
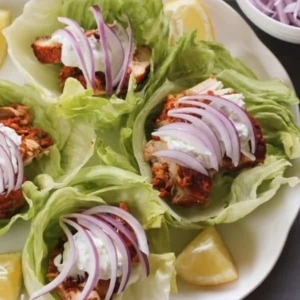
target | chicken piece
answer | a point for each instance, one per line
(182, 186)
(34, 143)
(140, 65)
(170, 103)
(49, 52)
(46, 51)
(67, 72)
(11, 204)
(163, 118)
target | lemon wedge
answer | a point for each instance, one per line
(10, 276)
(187, 15)
(5, 20)
(206, 260)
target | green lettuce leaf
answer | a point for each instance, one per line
(160, 283)
(73, 141)
(73, 145)
(101, 113)
(235, 195)
(191, 61)
(115, 185)
(30, 209)
(97, 186)
(234, 198)
(271, 103)
(147, 19)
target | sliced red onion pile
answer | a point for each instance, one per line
(285, 11)
(116, 66)
(101, 222)
(11, 165)
(208, 128)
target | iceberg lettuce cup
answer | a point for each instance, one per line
(99, 43)
(212, 138)
(216, 153)
(90, 241)
(39, 145)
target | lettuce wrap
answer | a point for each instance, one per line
(92, 187)
(73, 145)
(147, 21)
(234, 194)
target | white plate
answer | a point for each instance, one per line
(254, 247)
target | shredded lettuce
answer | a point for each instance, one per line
(73, 145)
(96, 186)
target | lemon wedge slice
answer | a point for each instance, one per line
(5, 20)
(187, 15)
(206, 260)
(10, 276)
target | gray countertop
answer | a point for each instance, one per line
(283, 281)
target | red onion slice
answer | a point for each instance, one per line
(68, 264)
(128, 57)
(20, 164)
(116, 241)
(4, 144)
(202, 135)
(205, 129)
(233, 136)
(265, 8)
(94, 265)
(9, 174)
(225, 128)
(76, 46)
(2, 183)
(109, 245)
(80, 34)
(183, 159)
(117, 62)
(143, 258)
(286, 11)
(125, 45)
(102, 33)
(281, 15)
(190, 139)
(129, 219)
(239, 111)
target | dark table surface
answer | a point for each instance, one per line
(283, 282)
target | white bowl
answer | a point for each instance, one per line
(275, 28)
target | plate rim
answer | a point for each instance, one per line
(296, 114)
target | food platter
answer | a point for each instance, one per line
(254, 247)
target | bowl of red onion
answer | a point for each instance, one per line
(279, 18)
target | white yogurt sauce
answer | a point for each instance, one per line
(83, 260)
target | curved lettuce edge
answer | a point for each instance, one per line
(73, 141)
(67, 155)
(147, 19)
(29, 210)
(97, 186)
(236, 195)
(103, 114)
(190, 60)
